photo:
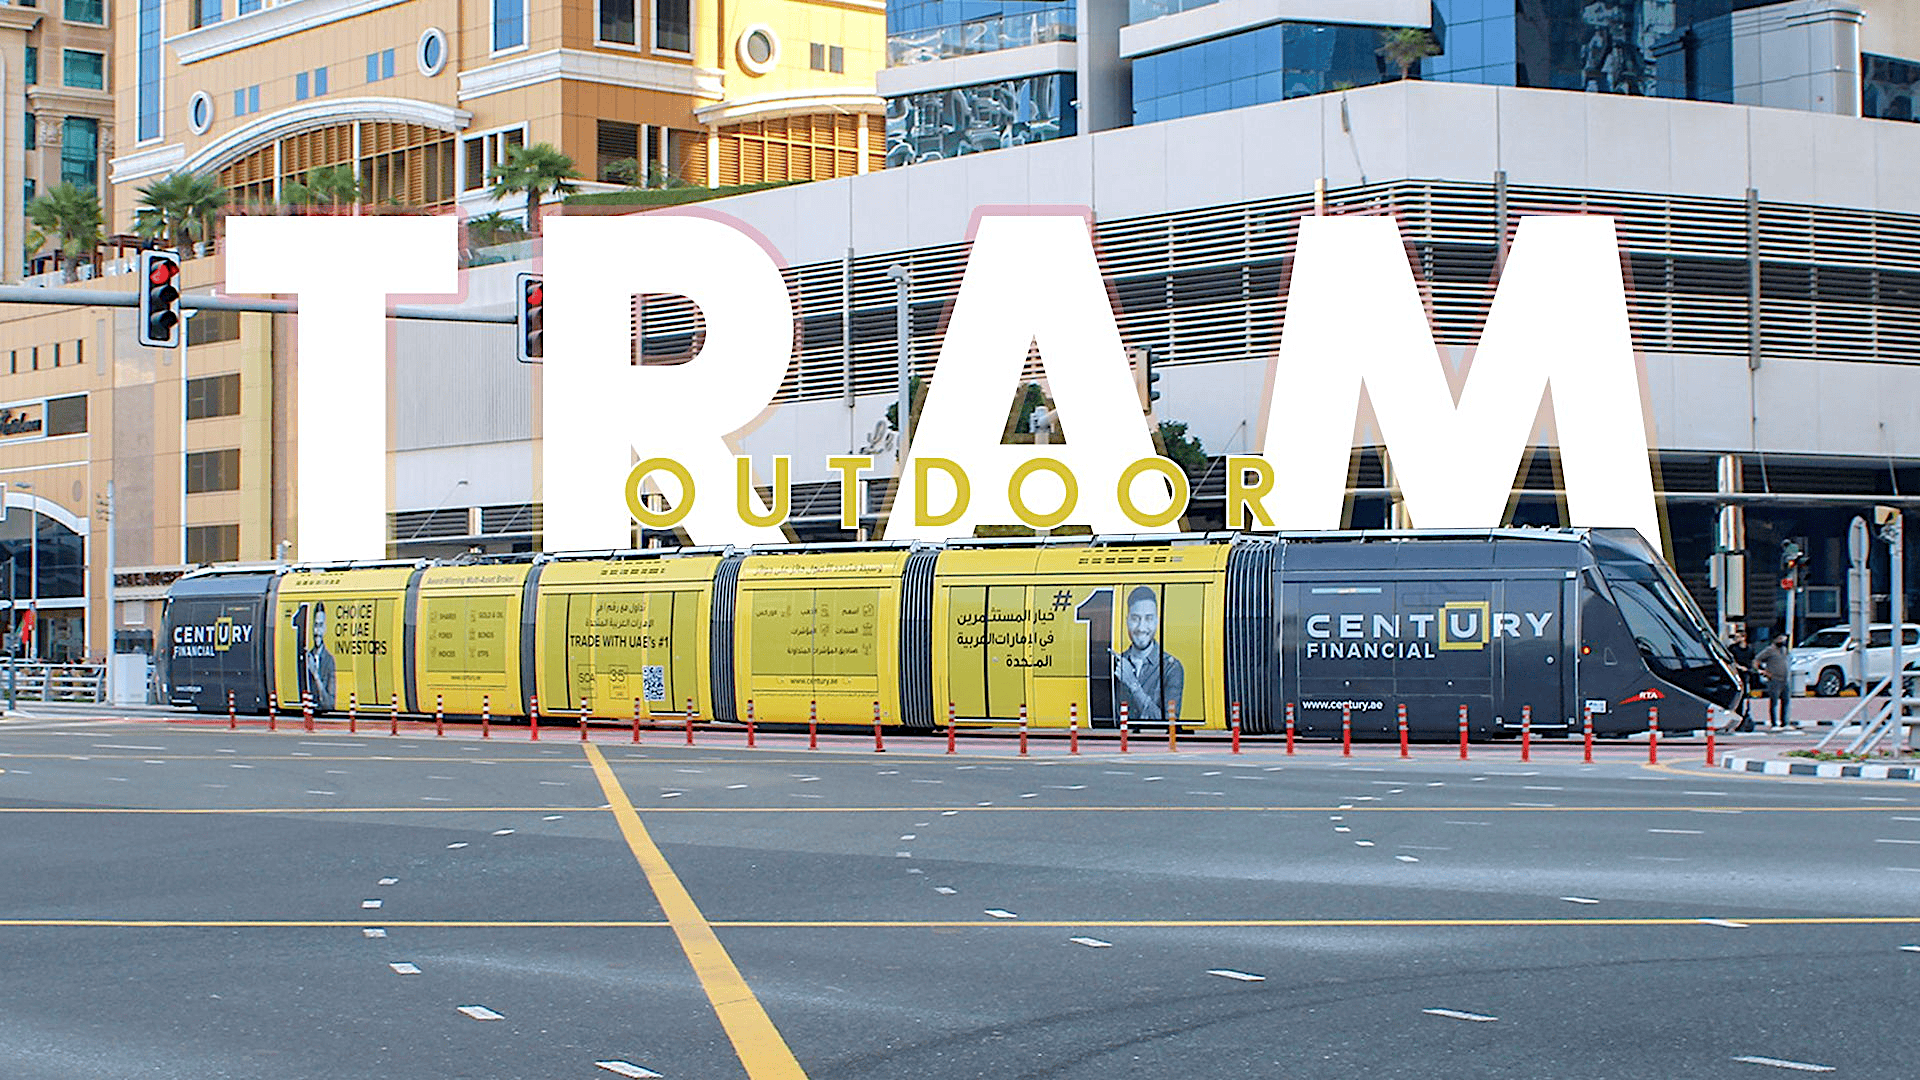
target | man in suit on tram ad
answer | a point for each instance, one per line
(319, 663)
(1145, 677)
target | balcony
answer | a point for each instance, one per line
(1139, 11)
(979, 36)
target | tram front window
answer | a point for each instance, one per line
(1677, 647)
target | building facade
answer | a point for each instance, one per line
(57, 78)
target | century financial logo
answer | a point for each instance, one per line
(1465, 626)
(209, 639)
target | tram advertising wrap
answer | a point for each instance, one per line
(338, 633)
(616, 632)
(467, 637)
(820, 628)
(1079, 633)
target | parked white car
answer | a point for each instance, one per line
(1823, 664)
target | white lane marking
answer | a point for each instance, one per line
(336, 772)
(690, 770)
(215, 786)
(797, 795)
(1905, 869)
(1676, 832)
(1206, 793)
(625, 1068)
(1880, 798)
(1273, 768)
(948, 813)
(313, 791)
(1116, 772)
(1406, 858)
(1237, 976)
(404, 968)
(553, 817)
(1463, 823)
(1910, 948)
(921, 824)
(389, 881)
(373, 931)
(915, 871)
(1540, 787)
(1067, 787)
(1656, 858)
(1397, 791)
(1897, 841)
(889, 772)
(1438, 783)
(1536, 805)
(1215, 772)
(671, 794)
(239, 766)
(735, 787)
(1031, 795)
(1363, 843)
(329, 744)
(1092, 942)
(1341, 828)
(119, 779)
(223, 750)
(436, 798)
(964, 768)
(903, 854)
(1336, 817)
(909, 836)
(370, 904)
(926, 781)
(480, 1012)
(1579, 900)
(124, 746)
(1904, 819)
(1781, 1063)
(1000, 913)
(457, 845)
(809, 779)
(945, 890)
(1455, 1014)
(1344, 806)
(1703, 793)
(1151, 779)
(553, 783)
(503, 832)
(1728, 923)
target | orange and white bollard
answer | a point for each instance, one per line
(1236, 727)
(1653, 734)
(636, 720)
(233, 718)
(439, 714)
(586, 710)
(1709, 741)
(692, 715)
(1073, 727)
(1346, 731)
(353, 712)
(273, 713)
(1463, 733)
(533, 718)
(1023, 729)
(879, 744)
(486, 716)
(749, 723)
(813, 725)
(306, 712)
(1124, 725)
(1173, 729)
(1289, 728)
(393, 713)
(1526, 733)
(1403, 730)
(1586, 724)
(951, 726)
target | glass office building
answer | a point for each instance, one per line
(945, 120)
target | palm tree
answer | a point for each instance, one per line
(534, 170)
(181, 207)
(486, 230)
(71, 212)
(333, 186)
(1406, 47)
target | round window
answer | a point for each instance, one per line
(432, 51)
(200, 113)
(758, 49)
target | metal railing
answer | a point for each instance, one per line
(980, 36)
(54, 682)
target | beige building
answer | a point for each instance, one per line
(420, 100)
(57, 79)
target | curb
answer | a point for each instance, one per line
(1831, 769)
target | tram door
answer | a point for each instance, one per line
(1534, 631)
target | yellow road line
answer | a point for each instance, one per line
(303, 810)
(947, 924)
(757, 1042)
(1024, 809)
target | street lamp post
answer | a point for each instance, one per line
(902, 334)
(33, 565)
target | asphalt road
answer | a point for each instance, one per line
(184, 901)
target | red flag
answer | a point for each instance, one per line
(26, 628)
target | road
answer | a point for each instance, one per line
(187, 901)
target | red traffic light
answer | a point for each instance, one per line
(533, 294)
(162, 271)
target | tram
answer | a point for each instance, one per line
(1191, 631)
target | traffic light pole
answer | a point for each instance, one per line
(36, 294)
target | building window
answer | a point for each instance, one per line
(319, 81)
(430, 52)
(509, 24)
(31, 132)
(86, 11)
(32, 188)
(824, 57)
(673, 25)
(32, 65)
(212, 543)
(995, 115)
(147, 94)
(1889, 87)
(56, 354)
(213, 327)
(67, 415)
(300, 86)
(205, 12)
(213, 470)
(80, 151)
(200, 112)
(617, 22)
(836, 59)
(619, 150)
(380, 66)
(214, 395)
(84, 70)
(248, 7)
(484, 152)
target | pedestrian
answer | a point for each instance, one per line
(1742, 651)
(1772, 663)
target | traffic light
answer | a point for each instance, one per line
(530, 320)
(1792, 558)
(159, 325)
(1144, 376)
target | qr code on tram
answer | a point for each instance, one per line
(653, 682)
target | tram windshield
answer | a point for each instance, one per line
(1671, 633)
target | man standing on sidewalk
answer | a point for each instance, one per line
(1772, 663)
